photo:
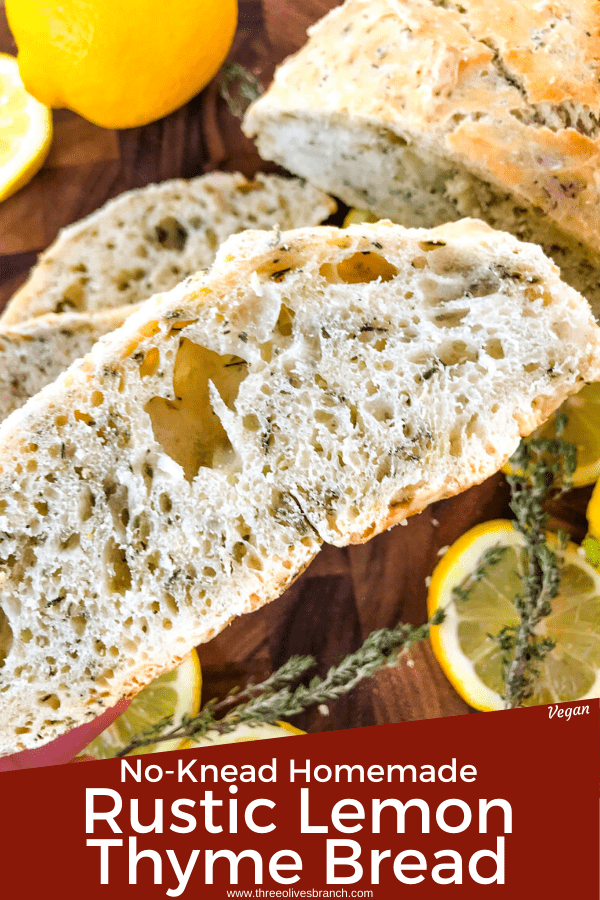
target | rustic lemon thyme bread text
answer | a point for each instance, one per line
(428, 110)
(316, 385)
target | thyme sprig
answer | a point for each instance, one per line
(542, 468)
(238, 87)
(283, 694)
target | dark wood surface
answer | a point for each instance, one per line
(345, 593)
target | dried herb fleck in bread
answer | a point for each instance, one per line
(424, 111)
(148, 240)
(316, 385)
(34, 353)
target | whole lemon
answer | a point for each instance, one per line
(120, 63)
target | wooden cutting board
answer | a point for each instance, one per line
(346, 593)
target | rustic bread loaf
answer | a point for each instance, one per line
(316, 385)
(148, 240)
(34, 353)
(428, 110)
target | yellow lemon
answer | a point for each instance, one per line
(462, 644)
(175, 694)
(25, 130)
(120, 63)
(582, 430)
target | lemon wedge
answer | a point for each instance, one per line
(25, 130)
(462, 644)
(175, 693)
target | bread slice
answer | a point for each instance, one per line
(148, 240)
(316, 385)
(34, 353)
(424, 111)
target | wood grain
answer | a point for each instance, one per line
(346, 593)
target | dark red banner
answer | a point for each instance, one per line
(505, 801)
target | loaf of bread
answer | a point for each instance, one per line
(424, 111)
(315, 385)
(34, 353)
(148, 240)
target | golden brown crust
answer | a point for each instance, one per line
(510, 89)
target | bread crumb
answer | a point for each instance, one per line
(443, 550)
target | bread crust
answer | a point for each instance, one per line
(508, 89)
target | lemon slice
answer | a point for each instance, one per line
(582, 430)
(174, 694)
(359, 216)
(462, 644)
(244, 732)
(25, 130)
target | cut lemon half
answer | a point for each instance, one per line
(245, 732)
(472, 660)
(175, 694)
(582, 430)
(25, 130)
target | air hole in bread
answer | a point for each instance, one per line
(50, 700)
(42, 507)
(150, 363)
(126, 276)
(360, 268)
(384, 469)
(239, 551)
(285, 321)
(455, 353)
(73, 297)
(165, 503)
(87, 501)
(170, 234)
(71, 542)
(381, 412)
(449, 319)
(84, 417)
(254, 562)
(117, 568)
(171, 604)
(6, 637)
(494, 348)
(141, 528)
(187, 428)
(455, 443)
(484, 287)
(427, 246)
